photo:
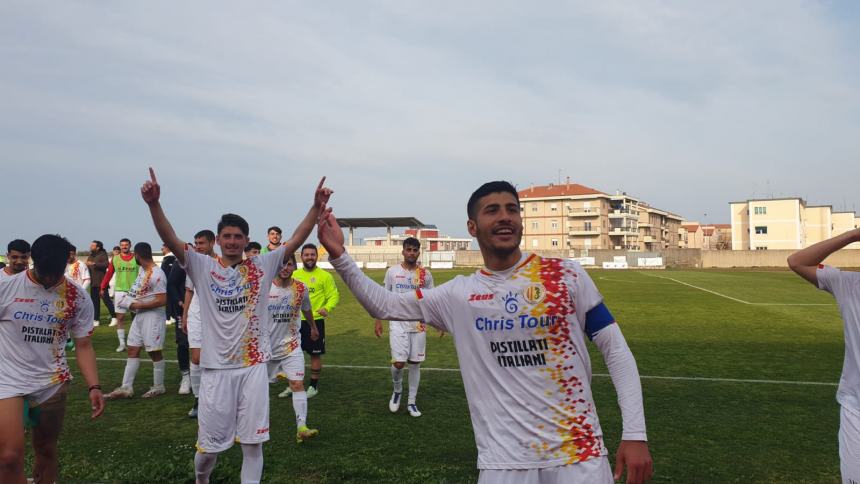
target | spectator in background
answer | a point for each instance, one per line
(166, 266)
(252, 249)
(97, 263)
(274, 235)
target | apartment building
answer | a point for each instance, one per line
(693, 235)
(574, 216)
(786, 223)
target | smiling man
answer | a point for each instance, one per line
(520, 326)
(234, 385)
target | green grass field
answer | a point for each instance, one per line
(768, 346)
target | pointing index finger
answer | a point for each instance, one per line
(152, 175)
(322, 181)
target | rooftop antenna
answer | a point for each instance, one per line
(559, 176)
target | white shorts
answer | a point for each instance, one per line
(195, 333)
(292, 366)
(592, 471)
(121, 302)
(233, 407)
(406, 346)
(849, 445)
(36, 397)
(147, 331)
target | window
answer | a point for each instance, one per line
(761, 248)
(760, 210)
(554, 242)
(534, 242)
(761, 230)
(553, 207)
(587, 226)
(554, 224)
(535, 225)
(534, 207)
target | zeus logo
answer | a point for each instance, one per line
(480, 297)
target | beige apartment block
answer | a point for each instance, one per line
(658, 229)
(787, 223)
(574, 216)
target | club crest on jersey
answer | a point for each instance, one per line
(534, 293)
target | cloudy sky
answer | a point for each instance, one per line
(408, 106)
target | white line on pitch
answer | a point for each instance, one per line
(740, 300)
(601, 375)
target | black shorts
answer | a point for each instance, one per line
(308, 345)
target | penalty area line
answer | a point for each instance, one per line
(599, 375)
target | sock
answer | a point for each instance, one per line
(195, 379)
(252, 463)
(414, 379)
(131, 366)
(300, 406)
(315, 377)
(397, 378)
(158, 374)
(204, 464)
(120, 333)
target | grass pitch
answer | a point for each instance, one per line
(768, 344)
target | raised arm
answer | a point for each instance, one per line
(306, 226)
(151, 193)
(380, 303)
(805, 262)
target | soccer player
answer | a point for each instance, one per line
(204, 243)
(408, 339)
(274, 236)
(38, 308)
(845, 287)
(520, 326)
(252, 249)
(81, 275)
(97, 263)
(234, 387)
(17, 258)
(123, 269)
(146, 298)
(324, 298)
(287, 298)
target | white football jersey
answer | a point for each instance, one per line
(148, 283)
(845, 287)
(399, 279)
(285, 307)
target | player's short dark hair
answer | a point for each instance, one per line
(143, 249)
(252, 246)
(486, 189)
(99, 245)
(116, 247)
(233, 220)
(411, 242)
(310, 246)
(72, 248)
(125, 240)
(19, 245)
(275, 228)
(50, 254)
(205, 233)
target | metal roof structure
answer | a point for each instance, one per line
(371, 222)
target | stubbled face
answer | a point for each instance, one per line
(203, 245)
(274, 237)
(72, 257)
(411, 254)
(17, 261)
(498, 225)
(124, 247)
(309, 258)
(287, 271)
(232, 241)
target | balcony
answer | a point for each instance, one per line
(646, 224)
(624, 213)
(618, 231)
(583, 212)
(583, 230)
(649, 239)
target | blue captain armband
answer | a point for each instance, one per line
(598, 318)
